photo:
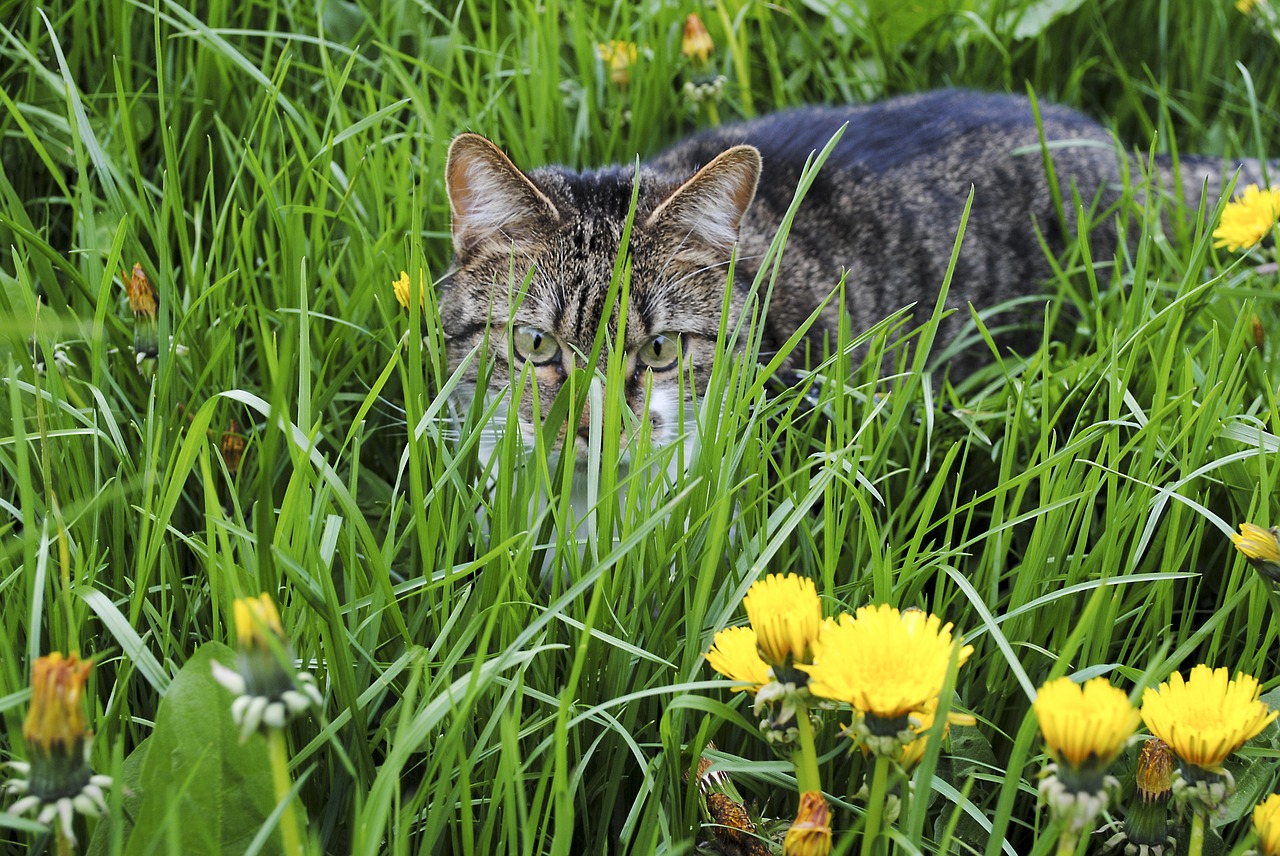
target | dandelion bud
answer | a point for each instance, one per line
(1266, 823)
(696, 45)
(810, 834)
(269, 689)
(1147, 822)
(618, 57)
(142, 300)
(59, 782)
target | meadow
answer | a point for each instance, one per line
(519, 680)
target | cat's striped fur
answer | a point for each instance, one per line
(534, 252)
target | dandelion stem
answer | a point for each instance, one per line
(280, 779)
(1067, 842)
(1195, 846)
(64, 844)
(805, 759)
(875, 804)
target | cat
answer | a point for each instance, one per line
(534, 252)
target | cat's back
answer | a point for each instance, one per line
(948, 128)
(885, 207)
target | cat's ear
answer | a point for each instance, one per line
(712, 203)
(490, 199)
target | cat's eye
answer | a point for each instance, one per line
(660, 353)
(535, 346)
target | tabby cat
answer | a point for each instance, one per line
(534, 252)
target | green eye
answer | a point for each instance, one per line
(660, 353)
(534, 346)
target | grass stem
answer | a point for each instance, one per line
(282, 784)
(808, 778)
(875, 805)
(1195, 844)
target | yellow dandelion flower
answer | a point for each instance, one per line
(1206, 717)
(618, 57)
(401, 288)
(1257, 543)
(1266, 823)
(884, 662)
(696, 44)
(1244, 7)
(1084, 726)
(810, 834)
(1261, 547)
(735, 655)
(1247, 219)
(786, 615)
(256, 616)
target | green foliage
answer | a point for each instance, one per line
(499, 675)
(193, 786)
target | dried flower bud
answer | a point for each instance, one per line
(1155, 771)
(696, 45)
(59, 783)
(810, 834)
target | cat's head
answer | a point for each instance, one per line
(534, 255)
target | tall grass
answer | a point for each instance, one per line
(498, 676)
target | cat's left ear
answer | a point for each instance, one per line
(490, 199)
(711, 205)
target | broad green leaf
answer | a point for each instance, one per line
(1034, 19)
(202, 791)
(130, 784)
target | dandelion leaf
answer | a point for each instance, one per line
(202, 791)
(130, 784)
(1034, 19)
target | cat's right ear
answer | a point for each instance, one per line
(490, 198)
(712, 203)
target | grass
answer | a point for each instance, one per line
(273, 168)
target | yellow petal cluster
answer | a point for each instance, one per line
(1206, 717)
(1266, 823)
(1257, 544)
(618, 57)
(56, 718)
(255, 617)
(735, 655)
(1247, 219)
(786, 614)
(810, 834)
(401, 288)
(1084, 726)
(884, 662)
(1261, 547)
